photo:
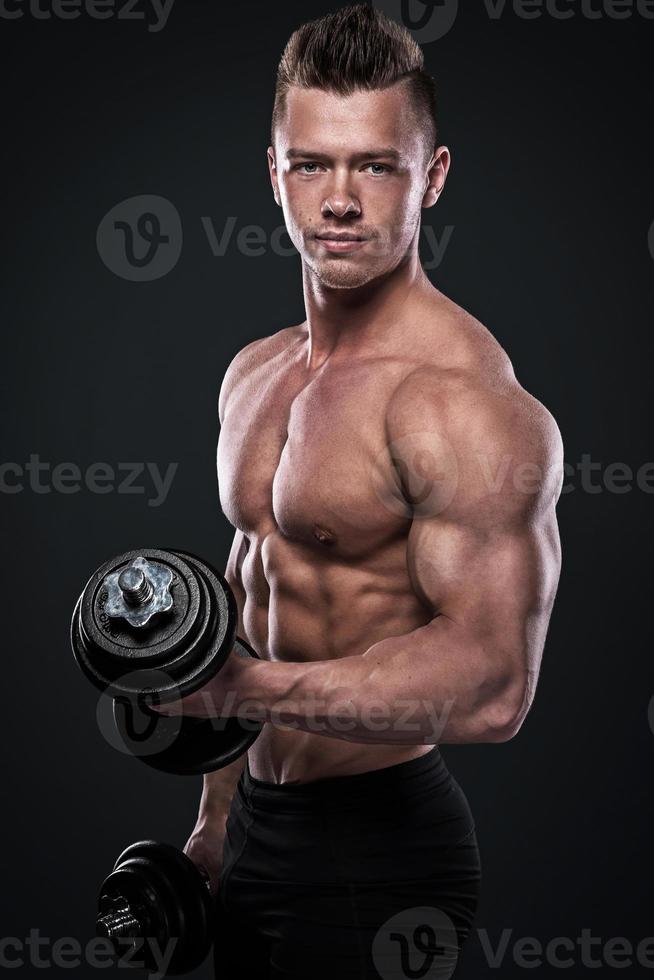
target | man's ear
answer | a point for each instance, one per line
(438, 168)
(272, 167)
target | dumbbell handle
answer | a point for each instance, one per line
(119, 923)
(122, 922)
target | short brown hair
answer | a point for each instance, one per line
(356, 47)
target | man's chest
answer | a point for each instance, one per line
(312, 461)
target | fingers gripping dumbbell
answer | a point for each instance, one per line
(151, 627)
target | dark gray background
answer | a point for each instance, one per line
(550, 200)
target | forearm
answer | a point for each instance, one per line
(431, 685)
(217, 791)
(218, 787)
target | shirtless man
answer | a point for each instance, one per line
(396, 555)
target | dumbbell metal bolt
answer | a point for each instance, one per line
(119, 924)
(135, 586)
(138, 592)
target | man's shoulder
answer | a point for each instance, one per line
(261, 350)
(465, 387)
(255, 355)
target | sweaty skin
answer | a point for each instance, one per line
(392, 485)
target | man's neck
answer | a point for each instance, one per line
(344, 321)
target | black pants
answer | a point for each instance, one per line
(365, 876)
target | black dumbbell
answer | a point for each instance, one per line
(153, 626)
(156, 904)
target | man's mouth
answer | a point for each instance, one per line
(341, 241)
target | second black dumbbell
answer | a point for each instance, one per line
(155, 907)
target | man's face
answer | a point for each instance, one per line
(352, 166)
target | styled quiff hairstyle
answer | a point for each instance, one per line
(357, 47)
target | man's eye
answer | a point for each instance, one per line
(312, 168)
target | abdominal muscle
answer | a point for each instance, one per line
(304, 607)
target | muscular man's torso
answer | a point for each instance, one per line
(306, 476)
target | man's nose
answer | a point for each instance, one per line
(341, 201)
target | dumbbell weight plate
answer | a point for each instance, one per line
(189, 641)
(183, 745)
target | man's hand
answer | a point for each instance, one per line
(205, 848)
(220, 697)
